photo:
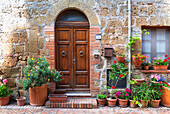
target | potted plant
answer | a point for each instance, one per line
(159, 64)
(156, 92)
(165, 98)
(37, 73)
(146, 64)
(5, 93)
(21, 101)
(155, 79)
(120, 58)
(138, 80)
(101, 99)
(138, 59)
(118, 72)
(143, 94)
(111, 100)
(123, 97)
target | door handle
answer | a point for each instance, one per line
(81, 53)
(63, 53)
(74, 60)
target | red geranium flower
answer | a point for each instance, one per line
(160, 82)
(166, 55)
(121, 75)
(113, 87)
(127, 73)
(114, 61)
(165, 60)
(169, 58)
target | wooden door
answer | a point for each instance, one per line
(72, 57)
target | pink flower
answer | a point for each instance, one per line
(126, 89)
(5, 81)
(154, 58)
(130, 91)
(152, 61)
(159, 58)
(126, 94)
(121, 96)
(158, 63)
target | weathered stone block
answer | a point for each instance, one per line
(8, 49)
(141, 21)
(41, 43)
(7, 72)
(11, 82)
(22, 93)
(19, 49)
(43, 52)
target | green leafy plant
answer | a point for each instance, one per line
(139, 56)
(132, 40)
(123, 95)
(37, 72)
(99, 96)
(146, 63)
(144, 91)
(158, 61)
(156, 91)
(118, 72)
(5, 91)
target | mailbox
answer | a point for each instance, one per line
(108, 51)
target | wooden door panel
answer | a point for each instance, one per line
(63, 56)
(80, 58)
(81, 50)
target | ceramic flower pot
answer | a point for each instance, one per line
(120, 59)
(133, 104)
(101, 102)
(146, 67)
(162, 67)
(111, 102)
(4, 100)
(38, 95)
(155, 103)
(137, 62)
(21, 101)
(144, 103)
(139, 81)
(165, 98)
(123, 102)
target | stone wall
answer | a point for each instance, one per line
(23, 22)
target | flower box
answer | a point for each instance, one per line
(161, 67)
(57, 98)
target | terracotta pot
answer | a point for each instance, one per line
(123, 102)
(38, 95)
(155, 103)
(162, 67)
(101, 102)
(21, 101)
(137, 62)
(111, 102)
(144, 103)
(139, 81)
(133, 104)
(165, 98)
(146, 67)
(120, 59)
(57, 98)
(154, 82)
(4, 100)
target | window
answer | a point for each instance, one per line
(155, 44)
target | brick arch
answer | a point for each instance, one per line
(53, 13)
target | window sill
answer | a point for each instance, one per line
(155, 71)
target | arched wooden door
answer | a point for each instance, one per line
(72, 50)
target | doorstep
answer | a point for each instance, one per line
(79, 103)
(78, 94)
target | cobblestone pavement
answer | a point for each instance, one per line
(27, 109)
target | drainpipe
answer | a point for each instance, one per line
(129, 37)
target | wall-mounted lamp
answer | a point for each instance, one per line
(98, 36)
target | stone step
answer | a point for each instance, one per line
(78, 94)
(86, 103)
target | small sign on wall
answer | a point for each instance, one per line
(98, 36)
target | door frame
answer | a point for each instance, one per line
(73, 25)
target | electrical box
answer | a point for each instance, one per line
(108, 51)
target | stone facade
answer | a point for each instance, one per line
(27, 30)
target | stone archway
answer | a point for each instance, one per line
(94, 29)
